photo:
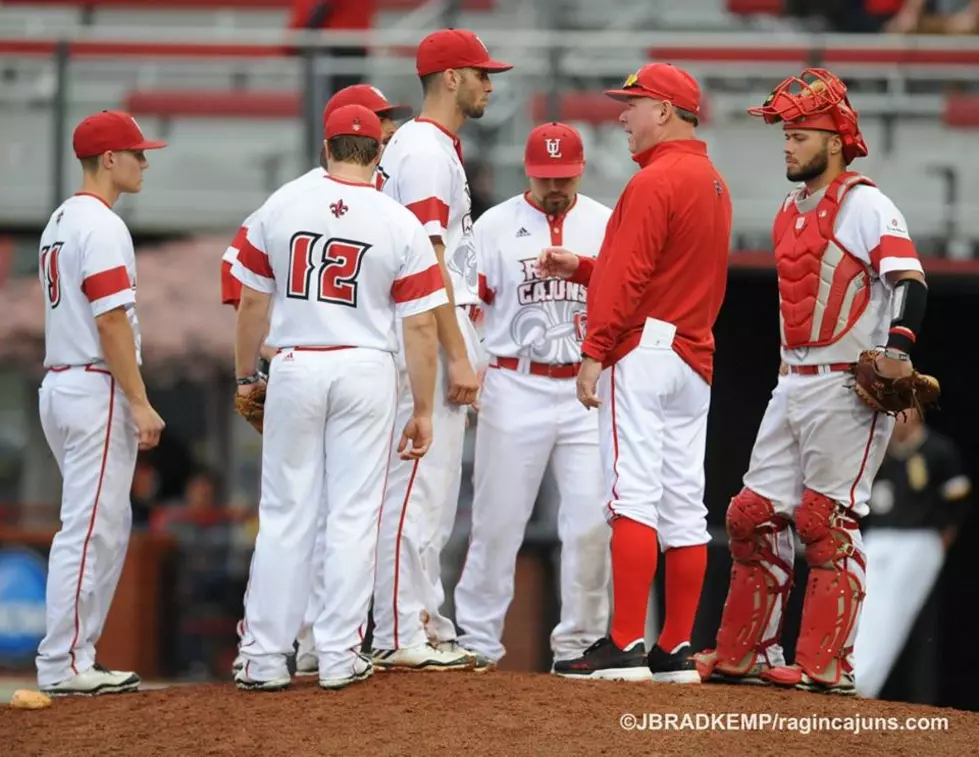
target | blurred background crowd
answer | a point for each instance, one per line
(237, 89)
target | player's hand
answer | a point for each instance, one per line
(463, 382)
(245, 389)
(890, 368)
(557, 261)
(587, 384)
(479, 377)
(149, 425)
(418, 434)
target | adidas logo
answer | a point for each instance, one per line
(523, 232)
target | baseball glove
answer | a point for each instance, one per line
(893, 396)
(251, 407)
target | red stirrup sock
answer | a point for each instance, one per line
(635, 551)
(685, 569)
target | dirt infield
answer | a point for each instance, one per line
(511, 714)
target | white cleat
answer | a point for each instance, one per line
(95, 681)
(361, 671)
(483, 663)
(246, 683)
(423, 657)
(307, 665)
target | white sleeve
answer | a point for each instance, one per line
(424, 184)
(883, 232)
(486, 261)
(418, 286)
(105, 279)
(251, 266)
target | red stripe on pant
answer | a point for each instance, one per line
(397, 552)
(615, 446)
(863, 462)
(91, 520)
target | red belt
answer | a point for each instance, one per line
(812, 370)
(313, 349)
(90, 367)
(559, 371)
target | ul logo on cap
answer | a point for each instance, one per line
(553, 147)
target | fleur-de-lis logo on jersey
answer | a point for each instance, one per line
(553, 147)
(338, 208)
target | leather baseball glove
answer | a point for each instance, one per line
(251, 407)
(893, 396)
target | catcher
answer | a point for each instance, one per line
(849, 281)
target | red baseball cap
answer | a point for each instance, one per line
(455, 48)
(661, 81)
(113, 130)
(353, 120)
(554, 151)
(370, 97)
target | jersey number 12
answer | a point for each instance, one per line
(333, 271)
(50, 272)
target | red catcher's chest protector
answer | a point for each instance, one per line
(823, 289)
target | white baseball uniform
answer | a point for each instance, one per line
(230, 295)
(341, 261)
(816, 433)
(87, 268)
(529, 416)
(422, 169)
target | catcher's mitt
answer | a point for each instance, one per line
(893, 396)
(252, 407)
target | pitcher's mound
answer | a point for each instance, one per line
(510, 714)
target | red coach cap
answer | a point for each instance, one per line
(454, 48)
(113, 130)
(370, 97)
(353, 120)
(661, 81)
(554, 151)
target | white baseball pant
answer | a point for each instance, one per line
(526, 422)
(419, 515)
(653, 431)
(816, 434)
(88, 426)
(327, 415)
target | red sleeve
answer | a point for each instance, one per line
(631, 256)
(230, 286)
(582, 274)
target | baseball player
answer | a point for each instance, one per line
(340, 261)
(654, 293)
(849, 279)
(373, 99)
(422, 169)
(529, 413)
(93, 405)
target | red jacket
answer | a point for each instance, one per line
(664, 256)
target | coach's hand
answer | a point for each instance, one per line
(417, 432)
(149, 424)
(557, 261)
(587, 384)
(463, 382)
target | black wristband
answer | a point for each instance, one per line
(253, 379)
(263, 368)
(909, 300)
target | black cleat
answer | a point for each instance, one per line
(603, 660)
(673, 667)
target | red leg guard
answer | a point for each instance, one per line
(752, 524)
(834, 592)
